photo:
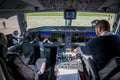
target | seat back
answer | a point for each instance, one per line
(5, 71)
(111, 70)
(3, 46)
(2, 76)
(13, 64)
(3, 39)
(19, 68)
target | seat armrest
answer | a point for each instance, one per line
(92, 68)
(40, 64)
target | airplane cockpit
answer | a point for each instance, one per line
(49, 33)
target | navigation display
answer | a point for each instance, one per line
(58, 37)
(44, 35)
(83, 37)
(89, 36)
(78, 37)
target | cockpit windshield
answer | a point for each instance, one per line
(83, 19)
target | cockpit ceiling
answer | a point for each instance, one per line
(60, 5)
(82, 5)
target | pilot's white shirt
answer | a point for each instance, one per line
(106, 33)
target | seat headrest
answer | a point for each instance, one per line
(3, 39)
(3, 45)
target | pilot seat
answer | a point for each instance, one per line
(110, 72)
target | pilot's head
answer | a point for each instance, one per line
(16, 32)
(102, 26)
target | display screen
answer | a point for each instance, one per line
(70, 14)
(58, 37)
(89, 36)
(78, 37)
(83, 37)
(44, 35)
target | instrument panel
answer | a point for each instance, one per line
(64, 38)
(63, 34)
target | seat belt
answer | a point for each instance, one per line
(2, 76)
(117, 27)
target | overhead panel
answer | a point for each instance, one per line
(35, 3)
(110, 5)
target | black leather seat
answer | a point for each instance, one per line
(93, 71)
(12, 66)
(110, 72)
(5, 71)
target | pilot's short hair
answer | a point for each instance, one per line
(104, 24)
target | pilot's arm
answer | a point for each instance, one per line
(46, 39)
(78, 51)
(89, 48)
(85, 50)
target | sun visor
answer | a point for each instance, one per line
(35, 3)
(110, 5)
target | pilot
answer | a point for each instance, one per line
(102, 48)
(16, 37)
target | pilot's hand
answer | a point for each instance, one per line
(75, 52)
